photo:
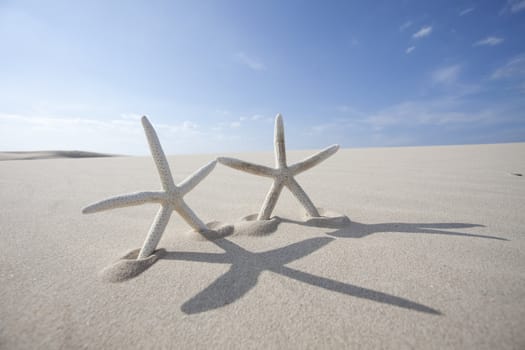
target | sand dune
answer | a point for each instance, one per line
(28, 155)
(433, 256)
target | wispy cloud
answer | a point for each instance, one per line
(119, 135)
(346, 109)
(514, 68)
(187, 125)
(433, 112)
(447, 119)
(513, 6)
(223, 112)
(249, 61)
(253, 117)
(489, 41)
(131, 116)
(338, 124)
(423, 32)
(396, 125)
(466, 11)
(405, 26)
(410, 49)
(247, 119)
(446, 75)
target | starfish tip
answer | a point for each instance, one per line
(145, 121)
(86, 210)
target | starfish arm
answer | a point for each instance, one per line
(312, 161)
(158, 155)
(194, 179)
(156, 230)
(190, 217)
(251, 168)
(125, 200)
(280, 147)
(270, 201)
(302, 197)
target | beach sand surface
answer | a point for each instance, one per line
(433, 257)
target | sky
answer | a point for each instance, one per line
(212, 75)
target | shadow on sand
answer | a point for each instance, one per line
(354, 229)
(246, 268)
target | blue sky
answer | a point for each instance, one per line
(212, 75)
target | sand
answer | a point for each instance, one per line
(433, 256)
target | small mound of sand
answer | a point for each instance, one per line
(328, 218)
(250, 226)
(129, 266)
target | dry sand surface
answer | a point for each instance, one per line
(433, 258)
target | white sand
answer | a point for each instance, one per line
(434, 257)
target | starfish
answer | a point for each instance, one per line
(170, 198)
(282, 174)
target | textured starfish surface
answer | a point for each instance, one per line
(170, 198)
(282, 174)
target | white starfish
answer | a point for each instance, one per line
(282, 174)
(170, 198)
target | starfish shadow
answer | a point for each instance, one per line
(354, 229)
(246, 267)
(359, 230)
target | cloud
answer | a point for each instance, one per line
(131, 116)
(405, 26)
(224, 112)
(412, 121)
(466, 11)
(253, 117)
(335, 125)
(243, 120)
(423, 32)
(122, 135)
(446, 75)
(489, 41)
(343, 108)
(435, 112)
(513, 6)
(250, 62)
(187, 125)
(514, 68)
(410, 49)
